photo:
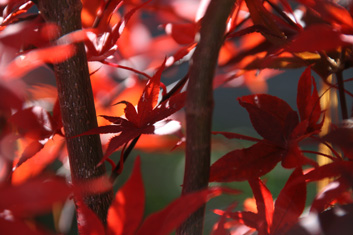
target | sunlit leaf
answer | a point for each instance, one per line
(126, 212)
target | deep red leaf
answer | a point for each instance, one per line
(311, 39)
(35, 196)
(130, 112)
(33, 122)
(126, 212)
(268, 115)
(308, 101)
(334, 169)
(182, 33)
(120, 139)
(244, 164)
(330, 193)
(87, 221)
(13, 226)
(343, 138)
(13, 100)
(292, 157)
(149, 97)
(264, 203)
(290, 203)
(261, 16)
(169, 218)
(247, 218)
(167, 108)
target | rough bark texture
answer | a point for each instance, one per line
(199, 107)
(77, 104)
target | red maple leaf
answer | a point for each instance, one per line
(281, 130)
(141, 120)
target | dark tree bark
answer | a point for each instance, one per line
(199, 107)
(77, 104)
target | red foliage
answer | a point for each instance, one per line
(125, 41)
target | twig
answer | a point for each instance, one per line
(199, 107)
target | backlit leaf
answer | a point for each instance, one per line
(264, 203)
(126, 211)
(244, 164)
(169, 218)
(289, 204)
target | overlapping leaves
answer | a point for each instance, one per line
(143, 119)
(278, 217)
(125, 215)
(281, 130)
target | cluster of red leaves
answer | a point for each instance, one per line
(281, 129)
(145, 119)
(260, 36)
(125, 215)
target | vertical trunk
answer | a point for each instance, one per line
(199, 107)
(77, 104)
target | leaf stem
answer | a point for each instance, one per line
(341, 92)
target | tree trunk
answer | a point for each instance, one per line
(199, 107)
(77, 104)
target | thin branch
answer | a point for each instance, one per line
(77, 104)
(199, 107)
(341, 92)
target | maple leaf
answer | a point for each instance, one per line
(278, 217)
(144, 119)
(126, 212)
(289, 204)
(308, 102)
(281, 129)
(36, 124)
(105, 38)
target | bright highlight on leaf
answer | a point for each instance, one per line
(143, 118)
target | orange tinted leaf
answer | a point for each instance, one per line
(261, 16)
(31, 149)
(35, 58)
(264, 203)
(126, 211)
(39, 161)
